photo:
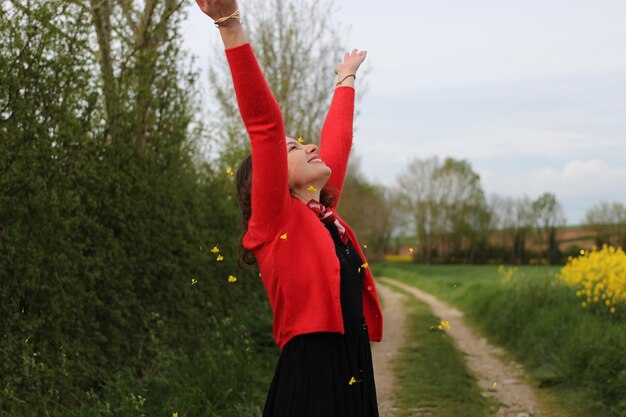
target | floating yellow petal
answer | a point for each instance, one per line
(352, 381)
(175, 414)
(220, 258)
(215, 249)
(494, 385)
(283, 236)
(410, 250)
(229, 171)
(300, 140)
(231, 278)
(365, 265)
(311, 188)
(194, 281)
(365, 246)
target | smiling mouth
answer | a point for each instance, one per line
(315, 159)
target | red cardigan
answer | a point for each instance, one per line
(295, 252)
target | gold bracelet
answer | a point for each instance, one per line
(235, 15)
(344, 78)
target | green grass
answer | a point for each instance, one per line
(431, 376)
(576, 357)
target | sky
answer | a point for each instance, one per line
(531, 93)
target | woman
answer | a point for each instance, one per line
(322, 293)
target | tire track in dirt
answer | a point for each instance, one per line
(515, 396)
(386, 350)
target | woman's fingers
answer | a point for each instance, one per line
(216, 9)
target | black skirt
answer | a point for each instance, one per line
(327, 374)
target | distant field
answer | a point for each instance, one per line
(568, 237)
(576, 355)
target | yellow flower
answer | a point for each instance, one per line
(410, 250)
(229, 171)
(311, 188)
(283, 236)
(300, 140)
(215, 249)
(231, 278)
(444, 325)
(220, 258)
(599, 276)
(194, 281)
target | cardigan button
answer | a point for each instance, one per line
(369, 288)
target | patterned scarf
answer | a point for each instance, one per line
(326, 215)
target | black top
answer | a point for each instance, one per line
(351, 277)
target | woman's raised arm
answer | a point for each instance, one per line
(336, 137)
(264, 123)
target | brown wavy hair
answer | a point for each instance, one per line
(244, 192)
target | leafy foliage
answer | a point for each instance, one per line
(105, 219)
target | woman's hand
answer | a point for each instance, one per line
(216, 9)
(231, 30)
(351, 63)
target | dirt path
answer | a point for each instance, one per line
(515, 396)
(385, 351)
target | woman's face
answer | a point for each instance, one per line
(305, 166)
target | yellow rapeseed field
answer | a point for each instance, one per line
(600, 278)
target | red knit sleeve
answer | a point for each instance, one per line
(336, 139)
(264, 123)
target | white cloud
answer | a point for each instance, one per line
(592, 178)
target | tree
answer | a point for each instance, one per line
(415, 197)
(367, 208)
(549, 216)
(514, 216)
(462, 204)
(608, 220)
(446, 205)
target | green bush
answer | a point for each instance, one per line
(101, 235)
